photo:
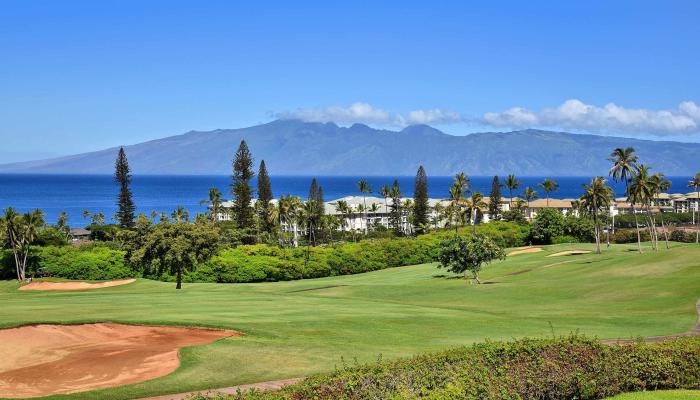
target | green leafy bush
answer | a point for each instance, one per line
(629, 235)
(548, 224)
(92, 263)
(528, 369)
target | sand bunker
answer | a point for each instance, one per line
(73, 285)
(569, 253)
(40, 360)
(525, 251)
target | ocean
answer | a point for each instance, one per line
(97, 193)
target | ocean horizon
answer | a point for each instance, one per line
(74, 193)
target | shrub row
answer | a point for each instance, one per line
(566, 368)
(258, 263)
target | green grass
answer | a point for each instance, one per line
(396, 312)
(660, 395)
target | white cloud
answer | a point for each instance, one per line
(367, 114)
(574, 114)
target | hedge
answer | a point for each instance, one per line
(261, 262)
(528, 369)
(90, 263)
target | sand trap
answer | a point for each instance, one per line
(40, 360)
(73, 285)
(525, 251)
(569, 253)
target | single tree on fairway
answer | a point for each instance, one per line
(623, 169)
(421, 207)
(695, 184)
(464, 255)
(125, 203)
(265, 198)
(512, 183)
(364, 188)
(642, 192)
(176, 247)
(240, 188)
(495, 198)
(596, 198)
(549, 185)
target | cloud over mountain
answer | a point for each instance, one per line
(367, 114)
(575, 114)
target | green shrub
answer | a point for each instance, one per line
(682, 236)
(565, 239)
(566, 368)
(548, 224)
(92, 263)
(629, 235)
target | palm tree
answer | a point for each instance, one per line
(549, 185)
(661, 185)
(474, 206)
(180, 214)
(21, 232)
(407, 206)
(456, 202)
(287, 207)
(530, 194)
(438, 212)
(214, 201)
(695, 184)
(596, 198)
(86, 214)
(364, 188)
(154, 214)
(385, 191)
(641, 192)
(512, 183)
(623, 169)
(98, 219)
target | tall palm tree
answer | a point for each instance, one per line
(154, 214)
(438, 212)
(530, 194)
(86, 214)
(456, 203)
(549, 185)
(642, 192)
(214, 202)
(385, 191)
(287, 207)
(661, 185)
(474, 206)
(623, 169)
(695, 184)
(596, 198)
(98, 219)
(364, 188)
(512, 183)
(407, 207)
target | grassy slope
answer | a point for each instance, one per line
(394, 312)
(660, 395)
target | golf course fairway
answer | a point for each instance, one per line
(297, 328)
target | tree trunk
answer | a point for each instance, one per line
(663, 227)
(179, 278)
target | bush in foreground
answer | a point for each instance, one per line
(566, 368)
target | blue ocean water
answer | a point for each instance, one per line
(97, 193)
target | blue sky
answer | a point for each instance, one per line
(78, 76)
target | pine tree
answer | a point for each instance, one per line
(420, 202)
(495, 198)
(240, 188)
(125, 202)
(264, 198)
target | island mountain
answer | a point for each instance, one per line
(292, 147)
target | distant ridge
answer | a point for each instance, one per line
(293, 147)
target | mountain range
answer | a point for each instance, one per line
(293, 147)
